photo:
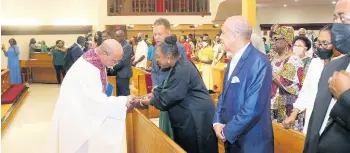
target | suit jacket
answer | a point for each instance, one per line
(123, 68)
(336, 136)
(76, 52)
(244, 106)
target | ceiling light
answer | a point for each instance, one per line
(216, 25)
(295, 0)
(334, 2)
(175, 25)
(285, 5)
(200, 24)
(196, 25)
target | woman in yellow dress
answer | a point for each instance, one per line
(205, 59)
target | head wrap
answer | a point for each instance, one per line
(286, 32)
(149, 41)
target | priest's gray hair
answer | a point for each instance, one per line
(240, 25)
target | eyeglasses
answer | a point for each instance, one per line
(342, 19)
(323, 44)
(276, 39)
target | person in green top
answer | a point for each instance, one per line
(267, 48)
(58, 59)
(43, 46)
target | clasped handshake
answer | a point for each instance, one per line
(138, 101)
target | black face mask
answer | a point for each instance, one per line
(324, 53)
(341, 37)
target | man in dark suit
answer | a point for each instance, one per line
(329, 125)
(77, 48)
(242, 117)
(122, 70)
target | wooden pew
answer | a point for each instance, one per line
(218, 75)
(287, 141)
(143, 136)
(9, 111)
(5, 80)
(41, 68)
(139, 80)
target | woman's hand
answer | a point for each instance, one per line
(289, 122)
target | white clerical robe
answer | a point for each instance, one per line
(85, 120)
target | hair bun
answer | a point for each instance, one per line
(171, 40)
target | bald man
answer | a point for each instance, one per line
(302, 32)
(122, 70)
(242, 117)
(85, 118)
(141, 52)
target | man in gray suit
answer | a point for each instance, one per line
(329, 126)
(122, 70)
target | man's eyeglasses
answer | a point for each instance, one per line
(323, 44)
(342, 19)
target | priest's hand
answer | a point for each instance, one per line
(219, 131)
(339, 83)
(130, 103)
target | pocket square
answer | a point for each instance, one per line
(235, 79)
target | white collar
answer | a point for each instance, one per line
(79, 45)
(239, 54)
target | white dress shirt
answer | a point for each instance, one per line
(307, 94)
(333, 101)
(235, 60)
(141, 50)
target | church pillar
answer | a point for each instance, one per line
(249, 11)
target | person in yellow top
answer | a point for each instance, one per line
(205, 59)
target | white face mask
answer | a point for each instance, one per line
(205, 44)
(298, 50)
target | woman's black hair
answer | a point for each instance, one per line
(14, 42)
(58, 41)
(169, 46)
(98, 38)
(185, 37)
(32, 41)
(305, 39)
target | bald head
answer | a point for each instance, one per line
(120, 36)
(239, 25)
(342, 8)
(302, 32)
(110, 52)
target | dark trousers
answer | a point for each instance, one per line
(59, 70)
(123, 86)
(231, 148)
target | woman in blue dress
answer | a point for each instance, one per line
(13, 62)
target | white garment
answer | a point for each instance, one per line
(84, 117)
(235, 60)
(307, 94)
(141, 50)
(331, 105)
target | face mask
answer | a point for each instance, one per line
(341, 37)
(205, 44)
(298, 50)
(324, 53)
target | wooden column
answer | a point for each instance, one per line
(249, 11)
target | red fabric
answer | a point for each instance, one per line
(188, 49)
(12, 94)
(91, 57)
(148, 83)
(160, 6)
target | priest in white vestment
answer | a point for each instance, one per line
(85, 120)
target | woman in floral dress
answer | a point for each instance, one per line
(288, 71)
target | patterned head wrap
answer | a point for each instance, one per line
(286, 32)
